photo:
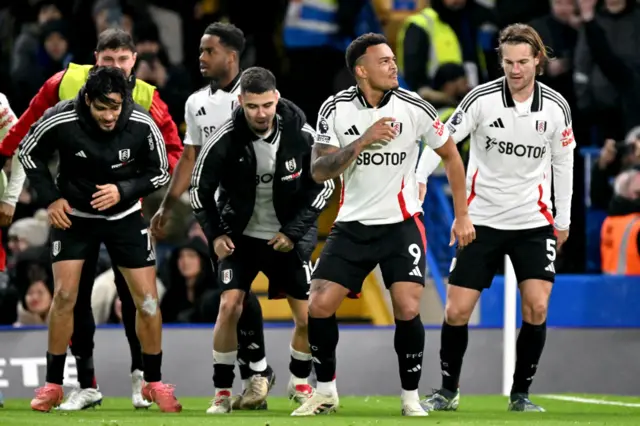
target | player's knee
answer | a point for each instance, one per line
(457, 315)
(407, 311)
(149, 306)
(534, 312)
(63, 301)
(319, 308)
(230, 310)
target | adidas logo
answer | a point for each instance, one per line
(201, 112)
(416, 272)
(81, 154)
(497, 123)
(151, 257)
(550, 268)
(316, 360)
(415, 369)
(353, 131)
(253, 346)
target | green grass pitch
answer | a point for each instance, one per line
(354, 411)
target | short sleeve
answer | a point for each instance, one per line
(325, 127)
(429, 127)
(464, 119)
(193, 136)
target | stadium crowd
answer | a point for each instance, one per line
(445, 48)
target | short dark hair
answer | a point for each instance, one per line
(103, 81)
(230, 36)
(359, 46)
(113, 39)
(257, 80)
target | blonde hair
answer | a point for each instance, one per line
(524, 34)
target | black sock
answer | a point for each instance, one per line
(245, 371)
(408, 342)
(453, 345)
(323, 339)
(529, 348)
(55, 368)
(300, 364)
(251, 331)
(86, 372)
(152, 367)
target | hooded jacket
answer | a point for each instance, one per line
(175, 306)
(228, 162)
(132, 156)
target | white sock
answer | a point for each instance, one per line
(327, 388)
(300, 356)
(259, 366)
(410, 396)
(227, 358)
(295, 381)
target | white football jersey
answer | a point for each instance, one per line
(264, 223)
(512, 148)
(207, 110)
(380, 187)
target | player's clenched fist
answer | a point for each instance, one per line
(223, 246)
(463, 231)
(379, 134)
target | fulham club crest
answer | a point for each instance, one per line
(227, 275)
(55, 248)
(397, 126)
(291, 165)
(124, 155)
(541, 126)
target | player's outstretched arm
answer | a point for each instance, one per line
(329, 161)
(462, 227)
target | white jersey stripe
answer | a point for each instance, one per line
(163, 177)
(34, 138)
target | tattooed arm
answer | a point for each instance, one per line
(328, 161)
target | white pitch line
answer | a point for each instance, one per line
(590, 401)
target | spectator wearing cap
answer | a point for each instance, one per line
(28, 233)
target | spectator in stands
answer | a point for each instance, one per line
(52, 55)
(34, 281)
(614, 157)
(449, 31)
(24, 58)
(153, 66)
(189, 275)
(620, 238)
(27, 233)
(607, 68)
(559, 31)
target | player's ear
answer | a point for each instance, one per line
(240, 101)
(86, 100)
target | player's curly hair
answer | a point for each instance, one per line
(524, 34)
(359, 46)
(230, 36)
(103, 81)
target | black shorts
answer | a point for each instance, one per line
(127, 240)
(353, 250)
(532, 253)
(288, 273)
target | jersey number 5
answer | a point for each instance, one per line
(551, 249)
